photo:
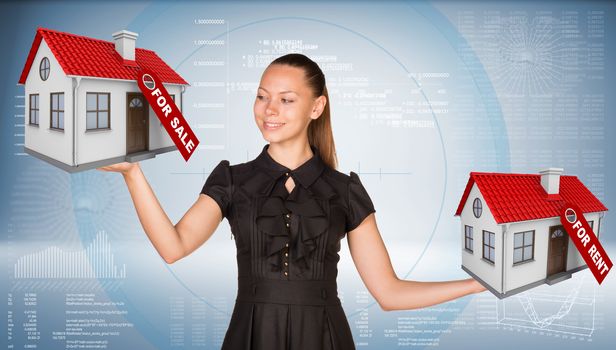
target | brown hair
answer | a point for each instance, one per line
(319, 130)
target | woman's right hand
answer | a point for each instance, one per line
(124, 167)
(173, 242)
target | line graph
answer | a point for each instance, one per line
(570, 309)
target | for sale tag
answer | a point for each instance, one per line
(168, 113)
(585, 241)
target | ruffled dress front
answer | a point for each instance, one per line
(287, 250)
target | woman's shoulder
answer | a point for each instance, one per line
(236, 168)
(241, 172)
(338, 176)
(242, 167)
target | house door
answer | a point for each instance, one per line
(136, 123)
(557, 251)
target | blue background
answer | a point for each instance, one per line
(421, 93)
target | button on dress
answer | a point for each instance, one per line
(287, 250)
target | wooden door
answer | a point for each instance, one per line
(136, 123)
(557, 251)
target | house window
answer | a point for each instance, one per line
(523, 246)
(135, 103)
(488, 246)
(591, 224)
(97, 110)
(558, 233)
(34, 109)
(44, 68)
(477, 208)
(57, 111)
(468, 238)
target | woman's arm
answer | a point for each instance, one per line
(173, 242)
(374, 265)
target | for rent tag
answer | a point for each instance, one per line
(168, 113)
(585, 241)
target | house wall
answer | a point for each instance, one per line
(525, 273)
(56, 144)
(488, 272)
(103, 144)
(532, 271)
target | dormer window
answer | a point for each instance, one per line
(44, 68)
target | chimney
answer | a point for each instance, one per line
(125, 44)
(550, 179)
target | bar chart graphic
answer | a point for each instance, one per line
(94, 261)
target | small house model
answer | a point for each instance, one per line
(511, 234)
(83, 107)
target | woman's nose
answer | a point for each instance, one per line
(271, 109)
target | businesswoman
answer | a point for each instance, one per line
(288, 210)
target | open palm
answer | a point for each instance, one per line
(122, 167)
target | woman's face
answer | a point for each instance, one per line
(285, 105)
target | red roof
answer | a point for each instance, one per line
(84, 56)
(520, 197)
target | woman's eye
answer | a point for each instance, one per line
(284, 100)
(259, 97)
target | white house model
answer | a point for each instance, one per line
(511, 234)
(83, 108)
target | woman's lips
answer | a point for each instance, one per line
(272, 126)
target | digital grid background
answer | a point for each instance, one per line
(421, 94)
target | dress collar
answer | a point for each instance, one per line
(305, 174)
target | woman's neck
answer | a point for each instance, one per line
(292, 155)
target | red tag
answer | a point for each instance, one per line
(168, 113)
(585, 240)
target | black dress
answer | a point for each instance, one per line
(287, 250)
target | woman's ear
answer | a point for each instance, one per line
(319, 105)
